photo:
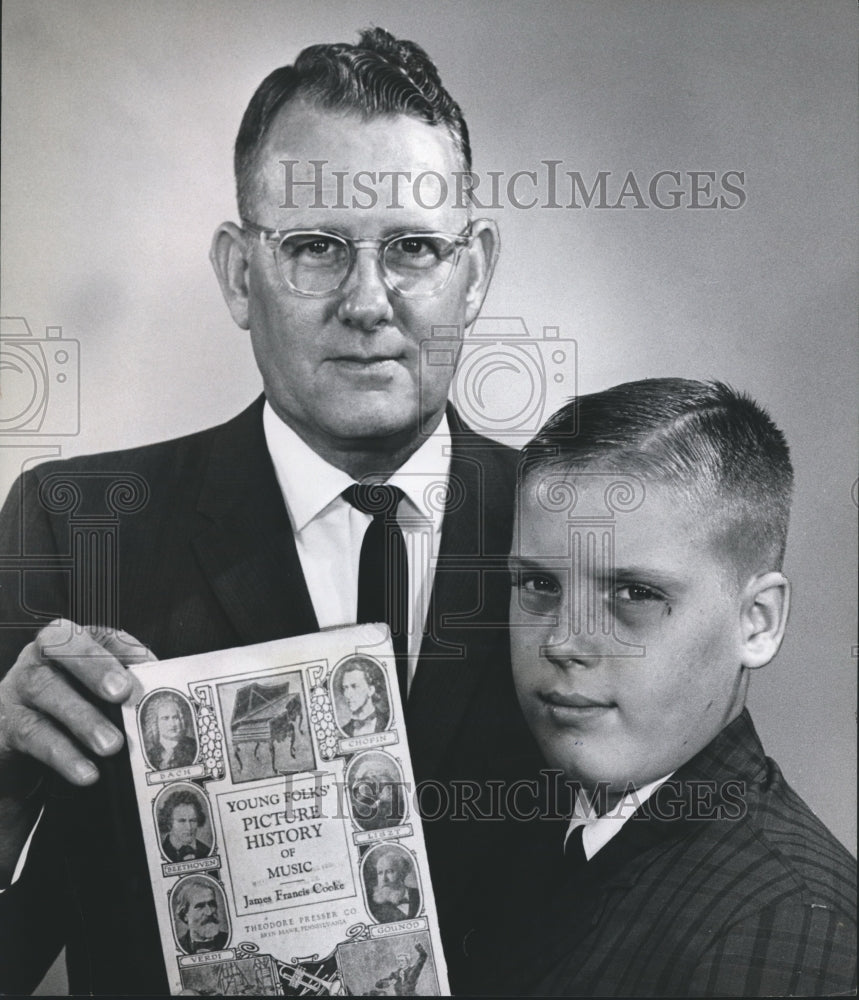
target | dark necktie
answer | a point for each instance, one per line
(574, 850)
(383, 580)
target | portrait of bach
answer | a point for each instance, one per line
(255, 529)
(180, 816)
(361, 685)
(165, 740)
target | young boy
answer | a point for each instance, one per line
(647, 586)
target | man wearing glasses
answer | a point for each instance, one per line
(254, 530)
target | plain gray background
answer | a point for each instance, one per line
(118, 124)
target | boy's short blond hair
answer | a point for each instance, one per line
(717, 446)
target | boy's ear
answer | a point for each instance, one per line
(763, 618)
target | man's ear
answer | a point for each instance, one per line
(483, 253)
(763, 618)
(229, 257)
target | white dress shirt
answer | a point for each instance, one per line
(329, 531)
(600, 829)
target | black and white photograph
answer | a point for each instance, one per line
(570, 286)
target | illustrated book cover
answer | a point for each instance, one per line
(278, 808)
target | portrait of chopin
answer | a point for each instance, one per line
(361, 696)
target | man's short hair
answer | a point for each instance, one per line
(718, 447)
(381, 75)
(181, 797)
(371, 670)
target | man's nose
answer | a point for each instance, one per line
(365, 300)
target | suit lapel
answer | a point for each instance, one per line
(729, 766)
(523, 948)
(446, 678)
(247, 548)
(463, 608)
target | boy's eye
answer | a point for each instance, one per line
(536, 583)
(636, 593)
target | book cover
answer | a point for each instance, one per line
(278, 808)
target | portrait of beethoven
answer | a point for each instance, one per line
(169, 739)
(199, 910)
(360, 694)
(377, 792)
(184, 823)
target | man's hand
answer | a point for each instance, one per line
(50, 703)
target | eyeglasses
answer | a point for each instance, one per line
(316, 263)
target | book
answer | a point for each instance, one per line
(278, 807)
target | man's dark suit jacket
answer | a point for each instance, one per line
(200, 850)
(724, 883)
(209, 562)
(387, 912)
(183, 753)
(379, 723)
(218, 941)
(405, 981)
